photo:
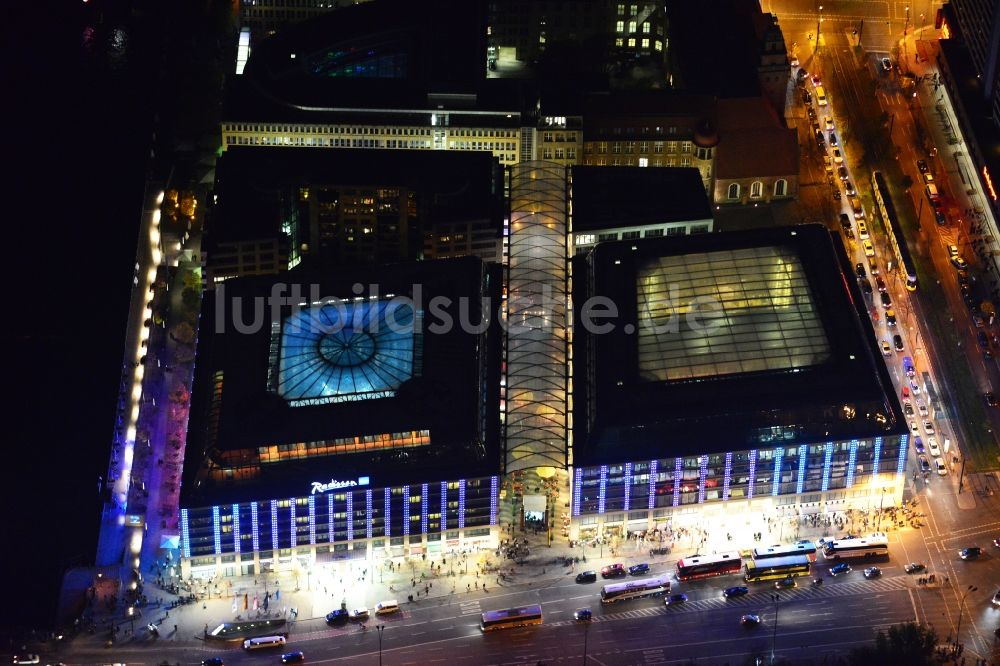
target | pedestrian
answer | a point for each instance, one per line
(468, 587)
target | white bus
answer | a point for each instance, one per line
(808, 549)
(870, 547)
(511, 617)
(634, 589)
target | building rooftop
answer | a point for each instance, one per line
(606, 198)
(368, 386)
(724, 342)
(753, 142)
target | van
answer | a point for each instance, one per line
(820, 96)
(264, 642)
(386, 607)
(932, 192)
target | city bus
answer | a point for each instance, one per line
(511, 617)
(705, 566)
(867, 548)
(883, 202)
(807, 549)
(635, 589)
(773, 568)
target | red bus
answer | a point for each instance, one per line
(705, 566)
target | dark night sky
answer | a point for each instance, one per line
(74, 148)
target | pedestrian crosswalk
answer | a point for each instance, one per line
(470, 608)
(753, 599)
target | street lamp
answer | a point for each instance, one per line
(379, 628)
(879, 527)
(958, 634)
(819, 20)
(774, 634)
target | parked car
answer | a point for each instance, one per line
(338, 616)
(359, 614)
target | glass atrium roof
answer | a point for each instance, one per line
(355, 350)
(754, 312)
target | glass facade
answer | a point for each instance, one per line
(339, 517)
(773, 471)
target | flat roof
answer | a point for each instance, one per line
(343, 378)
(724, 342)
(606, 198)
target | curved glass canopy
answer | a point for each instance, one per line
(345, 351)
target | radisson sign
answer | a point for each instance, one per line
(333, 484)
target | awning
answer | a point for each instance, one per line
(534, 503)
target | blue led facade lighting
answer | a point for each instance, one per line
(628, 485)
(293, 531)
(423, 509)
(274, 525)
(800, 483)
(602, 489)
(312, 520)
(406, 510)
(236, 528)
(702, 476)
(827, 464)
(653, 465)
(368, 513)
(779, 454)
(255, 531)
(444, 505)
(494, 496)
(215, 530)
(753, 473)
(678, 473)
(461, 504)
(329, 513)
(577, 488)
(876, 459)
(350, 516)
(727, 476)
(185, 536)
(386, 506)
(904, 441)
(852, 461)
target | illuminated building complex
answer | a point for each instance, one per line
(339, 429)
(740, 379)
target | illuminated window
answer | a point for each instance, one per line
(620, 26)
(619, 42)
(633, 10)
(756, 189)
(645, 27)
(631, 43)
(645, 43)
(734, 191)
(780, 187)
(631, 27)
(621, 10)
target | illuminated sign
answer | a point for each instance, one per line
(319, 487)
(989, 183)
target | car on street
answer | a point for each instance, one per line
(820, 140)
(838, 158)
(933, 447)
(212, 661)
(359, 614)
(866, 286)
(25, 659)
(794, 62)
(991, 399)
(942, 469)
(859, 269)
(738, 591)
(918, 445)
(970, 553)
(785, 582)
(996, 598)
(675, 599)
(807, 98)
(928, 427)
(873, 572)
(959, 262)
(914, 386)
(837, 196)
(839, 569)
(833, 139)
(952, 250)
(583, 615)
(637, 569)
(842, 172)
(849, 189)
(829, 123)
(922, 166)
(868, 247)
(845, 223)
(928, 178)
(978, 321)
(812, 113)
(862, 229)
(886, 65)
(897, 340)
(614, 571)
(293, 657)
(750, 620)
(886, 348)
(880, 283)
(940, 217)
(587, 577)
(922, 408)
(962, 277)
(886, 299)
(908, 408)
(338, 616)
(925, 464)
(890, 317)
(816, 80)
(914, 567)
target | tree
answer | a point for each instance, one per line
(910, 643)
(906, 181)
